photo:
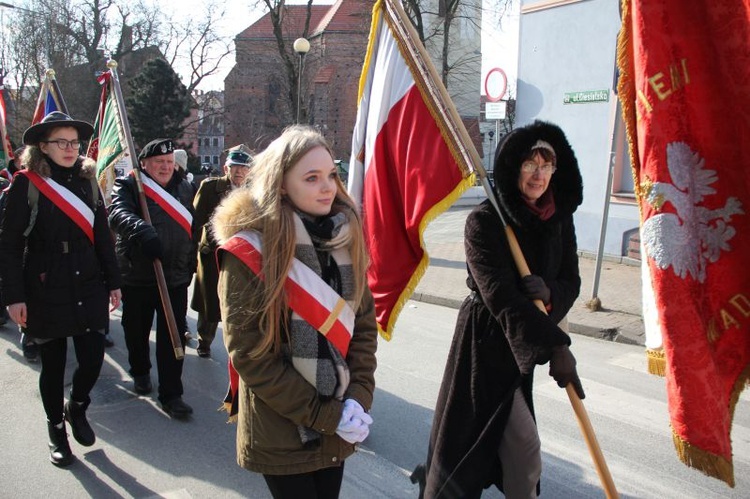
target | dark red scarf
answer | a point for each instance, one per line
(544, 207)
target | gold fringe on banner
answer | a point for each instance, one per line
(706, 462)
(710, 464)
(657, 362)
(626, 92)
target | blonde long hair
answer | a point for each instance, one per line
(271, 214)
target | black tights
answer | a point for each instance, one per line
(89, 349)
(321, 484)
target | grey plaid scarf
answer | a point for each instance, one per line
(312, 354)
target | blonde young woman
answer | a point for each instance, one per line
(302, 337)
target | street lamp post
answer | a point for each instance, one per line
(301, 47)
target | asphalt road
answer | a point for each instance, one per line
(141, 453)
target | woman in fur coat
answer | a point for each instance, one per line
(59, 270)
(484, 430)
(302, 337)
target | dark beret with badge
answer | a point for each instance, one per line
(157, 147)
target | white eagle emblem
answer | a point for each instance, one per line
(694, 235)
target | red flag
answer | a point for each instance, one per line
(6, 151)
(685, 91)
(408, 164)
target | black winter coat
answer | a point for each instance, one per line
(179, 247)
(500, 335)
(62, 277)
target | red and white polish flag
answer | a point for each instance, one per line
(407, 165)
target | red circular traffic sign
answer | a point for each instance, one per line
(495, 84)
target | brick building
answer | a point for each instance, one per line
(210, 128)
(257, 94)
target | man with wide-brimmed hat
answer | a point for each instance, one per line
(210, 193)
(170, 239)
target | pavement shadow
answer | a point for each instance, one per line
(401, 435)
(200, 448)
(96, 487)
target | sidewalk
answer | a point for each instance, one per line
(619, 290)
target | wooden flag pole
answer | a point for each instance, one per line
(440, 97)
(161, 281)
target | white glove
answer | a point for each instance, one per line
(354, 425)
(354, 437)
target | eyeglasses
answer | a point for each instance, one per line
(545, 169)
(63, 144)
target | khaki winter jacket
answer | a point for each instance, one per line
(274, 398)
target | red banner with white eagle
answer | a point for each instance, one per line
(685, 91)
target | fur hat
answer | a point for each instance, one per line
(566, 183)
(180, 159)
(33, 135)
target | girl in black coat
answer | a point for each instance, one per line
(484, 431)
(59, 270)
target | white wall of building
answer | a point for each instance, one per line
(567, 47)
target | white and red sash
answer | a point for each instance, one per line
(168, 203)
(307, 293)
(69, 203)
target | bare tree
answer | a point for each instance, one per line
(277, 12)
(75, 37)
(198, 44)
(434, 21)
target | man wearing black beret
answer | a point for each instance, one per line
(170, 238)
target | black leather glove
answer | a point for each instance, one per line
(562, 367)
(151, 248)
(534, 288)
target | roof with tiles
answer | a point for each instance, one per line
(343, 16)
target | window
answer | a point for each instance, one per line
(206, 142)
(206, 159)
(622, 178)
(216, 160)
(216, 141)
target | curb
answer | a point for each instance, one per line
(437, 300)
(607, 334)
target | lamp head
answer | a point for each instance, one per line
(301, 46)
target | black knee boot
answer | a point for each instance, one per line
(75, 414)
(59, 450)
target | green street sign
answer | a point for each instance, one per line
(586, 97)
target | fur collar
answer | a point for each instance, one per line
(88, 167)
(566, 182)
(224, 220)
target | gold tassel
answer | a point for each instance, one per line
(657, 362)
(227, 407)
